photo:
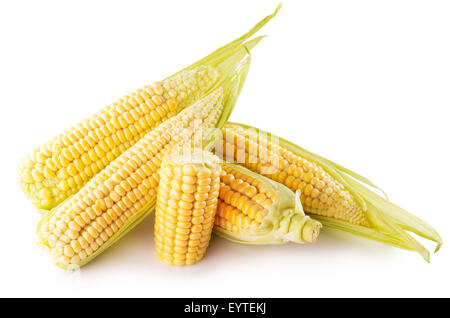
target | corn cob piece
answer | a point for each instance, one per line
(334, 195)
(256, 210)
(186, 205)
(59, 168)
(124, 193)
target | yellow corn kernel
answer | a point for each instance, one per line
(185, 175)
(237, 209)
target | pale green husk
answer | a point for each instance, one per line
(219, 57)
(285, 220)
(389, 223)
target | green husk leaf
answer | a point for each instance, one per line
(388, 223)
(223, 53)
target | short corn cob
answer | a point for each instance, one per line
(59, 168)
(253, 209)
(124, 193)
(186, 205)
(333, 194)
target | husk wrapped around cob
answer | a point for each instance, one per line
(253, 209)
(336, 196)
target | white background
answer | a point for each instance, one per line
(364, 83)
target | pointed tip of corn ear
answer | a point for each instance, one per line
(388, 223)
(380, 207)
(387, 219)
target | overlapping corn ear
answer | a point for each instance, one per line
(124, 193)
(59, 168)
(256, 210)
(337, 197)
(186, 204)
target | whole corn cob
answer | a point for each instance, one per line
(124, 193)
(186, 205)
(59, 168)
(255, 210)
(334, 195)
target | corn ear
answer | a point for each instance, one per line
(364, 212)
(256, 210)
(186, 205)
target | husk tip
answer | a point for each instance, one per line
(278, 8)
(426, 256)
(438, 247)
